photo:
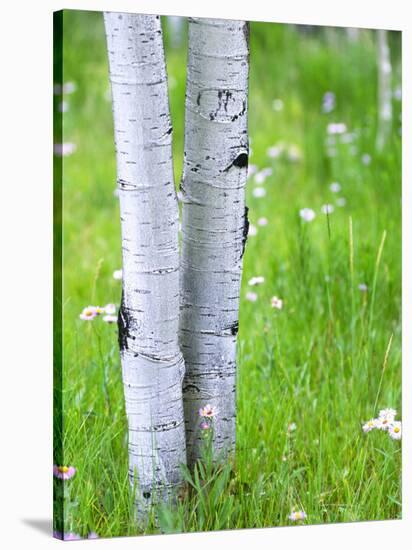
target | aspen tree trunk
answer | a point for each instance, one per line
(214, 224)
(353, 34)
(152, 364)
(176, 26)
(384, 90)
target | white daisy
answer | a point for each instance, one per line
(64, 149)
(88, 313)
(298, 515)
(307, 214)
(251, 296)
(69, 87)
(252, 169)
(256, 281)
(109, 319)
(261, 176)
(267, 171)
(388, 413)
(252, 230)
(276, 302)
(327, 209)
(63, 107)
(259, 192)
(328, 102)
(118, 274)
(335, 187)
(395, 430)
(110, 309)
(262, 221)
(383, 424)
(208, 411)
(362, 287)
(336, 128)
(370, 425)
(386, 418)
(341, 201)
(275, 151)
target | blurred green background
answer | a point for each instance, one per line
(319, 362)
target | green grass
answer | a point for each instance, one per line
(319, 361)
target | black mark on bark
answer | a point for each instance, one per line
(163, 427)
(246, 32)
(245, 230)
(223, 98)
(241, 161)
(242, 112)
(123, 324)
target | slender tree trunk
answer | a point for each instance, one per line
(176, 26)
(152, 364)
(384, 90)
(353, 34)
(214, 224)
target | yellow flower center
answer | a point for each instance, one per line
(63, 469)
(396, 430)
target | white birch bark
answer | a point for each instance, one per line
(384, 90)
(152, 363)
(214, 224)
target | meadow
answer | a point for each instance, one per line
(311, 372)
